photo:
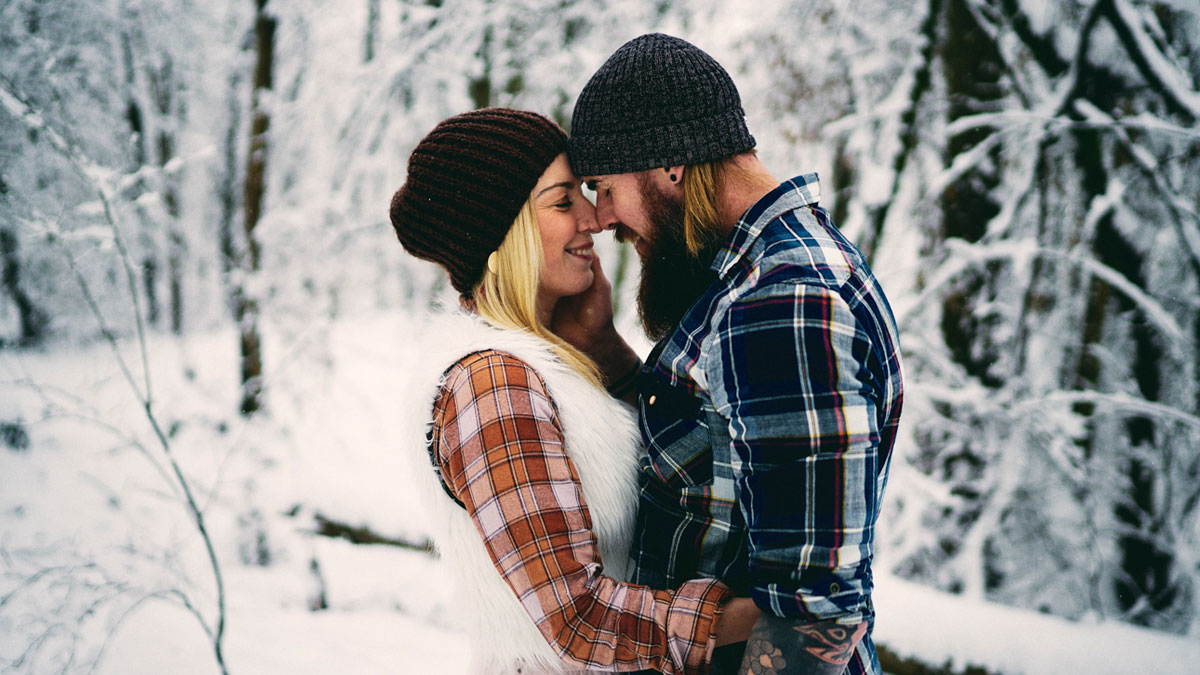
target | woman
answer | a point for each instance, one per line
(534, 485)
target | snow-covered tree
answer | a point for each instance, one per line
(1022, 175)
(1049, 164)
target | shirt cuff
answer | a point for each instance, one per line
(624, 384)
(691, 623)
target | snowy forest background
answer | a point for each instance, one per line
(203, 311)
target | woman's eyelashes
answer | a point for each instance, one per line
(568, 199)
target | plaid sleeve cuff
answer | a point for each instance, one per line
(691, 623)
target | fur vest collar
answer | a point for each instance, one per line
(603, 441)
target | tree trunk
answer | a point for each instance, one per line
(150, 283)
(246, 304)
(972, 70)
(135, 118)
(909, 129)
(33, 321)
(227, 197)
(480, 86)
(164, 87)
(372, 33)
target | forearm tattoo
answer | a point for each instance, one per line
(777, 646)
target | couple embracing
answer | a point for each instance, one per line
(711, 509)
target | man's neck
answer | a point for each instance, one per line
(745, 186)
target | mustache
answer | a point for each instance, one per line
(623, 233)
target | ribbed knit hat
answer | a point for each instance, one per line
(658, 101)
(467, 180)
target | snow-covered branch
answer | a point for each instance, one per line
(1189, 227)
(964, 256)
(1132, 405)
(1007, 120)
(1160, 72)
(96, 177)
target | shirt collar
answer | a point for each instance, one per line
(794, 193)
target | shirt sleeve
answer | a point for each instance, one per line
(499, 445)
(789, 373)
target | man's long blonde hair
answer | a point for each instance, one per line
(702, 187)
(507, 298)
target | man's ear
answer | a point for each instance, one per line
(674, 175)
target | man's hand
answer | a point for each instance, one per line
(586, 322)
(778, 646)
(584, 319)
(738, 617)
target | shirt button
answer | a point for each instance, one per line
(652, 399)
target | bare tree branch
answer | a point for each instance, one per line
(88, 172)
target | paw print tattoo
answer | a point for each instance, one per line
(765, 658)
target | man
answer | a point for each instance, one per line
(769, 405)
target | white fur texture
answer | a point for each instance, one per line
(603, 442)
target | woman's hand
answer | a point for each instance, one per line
(736, 621)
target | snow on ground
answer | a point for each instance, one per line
(938, 628)
(264, 640)
(93, 530)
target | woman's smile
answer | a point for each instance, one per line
(584, 252)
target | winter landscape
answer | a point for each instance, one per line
(204, 313)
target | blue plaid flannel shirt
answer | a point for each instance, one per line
(769, 417)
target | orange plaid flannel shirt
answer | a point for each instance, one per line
(499, 444)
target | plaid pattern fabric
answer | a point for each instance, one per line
(769, 417)
(499, 445)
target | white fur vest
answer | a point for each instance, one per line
(602, 439)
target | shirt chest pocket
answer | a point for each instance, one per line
(676, 432)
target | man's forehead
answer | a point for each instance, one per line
(604, 179)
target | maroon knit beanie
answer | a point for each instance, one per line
(467, 181)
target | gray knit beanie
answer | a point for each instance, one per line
(658, 101)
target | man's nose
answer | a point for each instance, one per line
(605, 216)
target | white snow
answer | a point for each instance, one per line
(94, 536)
(942, 628)
(80, 495)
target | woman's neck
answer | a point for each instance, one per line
(545, 309)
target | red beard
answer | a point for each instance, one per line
(672, 278)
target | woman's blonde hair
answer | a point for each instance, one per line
(507, 297)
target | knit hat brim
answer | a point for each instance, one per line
(709, 138)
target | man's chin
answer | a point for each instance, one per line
(663, 304)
